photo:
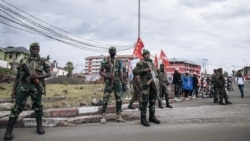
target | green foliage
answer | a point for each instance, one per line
(69, 67)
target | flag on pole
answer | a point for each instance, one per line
(156, 61)
(138, 48)
(164, 58)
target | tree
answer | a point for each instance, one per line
(69, 67)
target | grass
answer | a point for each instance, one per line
(65, 95)
(62, 95)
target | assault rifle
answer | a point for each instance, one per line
(154, 80)
(111, 71)
(110, 79)
(29, 72)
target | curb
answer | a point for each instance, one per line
(74, 116)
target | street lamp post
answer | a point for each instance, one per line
(204, 67)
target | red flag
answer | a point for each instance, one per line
(138, 48)
(164, 59)
(156, 61)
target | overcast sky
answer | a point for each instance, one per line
(216, 30)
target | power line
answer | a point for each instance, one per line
(39, 29)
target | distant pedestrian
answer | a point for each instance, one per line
(220, 80)
(214, 86)
(187, 84)
(177, 83)
(125, 86)
(195, 84)
(163, 81)
(241, 82)
(137, 92)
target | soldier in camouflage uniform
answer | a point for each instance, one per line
(137, 91)
(125, 87)
(214, 84)
(29, 82)
(112, 71)
(220, 80)
(163, 82)
(149, 91)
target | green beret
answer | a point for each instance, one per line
(145, 52)
(34, 45)
(112, 49)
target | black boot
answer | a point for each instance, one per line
(221, 102)
(228, 102)
(152, 118)
(215, 100)
(144, 121)
(130, 106)
(159, 104)
(167, 103)
(9, 129)
(39, 126)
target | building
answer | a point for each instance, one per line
(56, 70)
(183, 65)
(245, 71)
(13, 55)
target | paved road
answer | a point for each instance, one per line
(188, 121)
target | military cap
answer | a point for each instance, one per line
(35, 44)
(219, 69)
(145, 52)
(112, 49)
(162, 65)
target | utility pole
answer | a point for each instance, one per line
(204, 61)
(139, 18)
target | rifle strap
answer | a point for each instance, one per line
(114, 65)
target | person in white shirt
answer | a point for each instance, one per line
(241, 81)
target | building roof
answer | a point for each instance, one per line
(10, 49)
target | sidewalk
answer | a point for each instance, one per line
(74, 116)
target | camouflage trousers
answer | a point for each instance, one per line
(136, 93)
(115, 87)
(148, 97)
(222, 93)
(163, 91)
(22, 93)
(215, 92)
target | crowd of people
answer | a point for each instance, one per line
(217, 85)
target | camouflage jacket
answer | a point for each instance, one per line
(162, 77)
(220, 80)
(112, 66)
(140, 70)
(38, 65)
